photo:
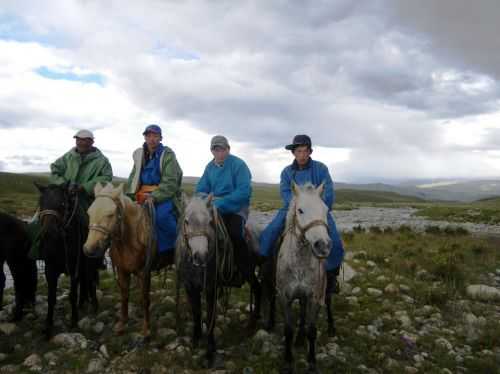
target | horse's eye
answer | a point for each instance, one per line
(300, 211)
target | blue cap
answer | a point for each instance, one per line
(152, 128)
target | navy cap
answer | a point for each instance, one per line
(299, 140)
(152, 128)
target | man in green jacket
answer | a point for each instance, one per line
(156, 176)
(82, 167)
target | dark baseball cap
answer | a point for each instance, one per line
(299, 140)
(152, 128)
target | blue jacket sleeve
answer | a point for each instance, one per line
(328, 192)
(285, 188)
(240, 196)
(203, 185)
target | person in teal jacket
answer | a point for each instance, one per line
(228, 179)
(303, 170)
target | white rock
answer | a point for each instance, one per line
(7, 328)
(104, 351)
(96, 365)
(373, 292)
(371, 264)
(32, 361)
(70, 340)
(84, 323)
(261, 335)
(98, 327)
(3, 356)
(443, 343)
(391, 288)
(355, 291)
(483, 292)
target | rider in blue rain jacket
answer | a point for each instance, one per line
(228, 179)
(304, 169)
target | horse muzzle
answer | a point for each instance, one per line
(321, 248)
(94, 252)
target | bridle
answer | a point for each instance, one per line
(116, 231)
(304, 229)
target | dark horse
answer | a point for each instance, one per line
(64, 229)
(15, 244)
(204, 264)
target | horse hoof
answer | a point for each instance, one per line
(300, 340)
(119, 329)
(313, 370)
(332, 331)
(286, 370)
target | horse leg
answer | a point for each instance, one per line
(312, 314)
(124, 284)
(2, 283)
(211, 318)
(289, 332)
(301, 335)
(19, 285)
(194, 296)
(145, 284)
(52, 276)
(268, 292)
(73, 297)
(256, 290)
(93, 280)
(331, 322)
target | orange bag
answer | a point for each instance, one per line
(144, 191)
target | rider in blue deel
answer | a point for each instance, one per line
(302, 170)
(157, 177)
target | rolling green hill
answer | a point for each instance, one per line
(18, 194)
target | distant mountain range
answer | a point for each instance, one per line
(448, 190)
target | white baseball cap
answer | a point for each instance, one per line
(82, 134)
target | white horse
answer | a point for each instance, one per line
(301, 273)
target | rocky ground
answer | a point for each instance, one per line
(410, 303)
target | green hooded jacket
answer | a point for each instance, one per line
(86, 171)
(170, 186)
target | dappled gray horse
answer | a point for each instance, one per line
(205, 264)
(301, 273)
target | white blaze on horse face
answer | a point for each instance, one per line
(197, 228)
(102, 213)
(311, 208)
(199, 249)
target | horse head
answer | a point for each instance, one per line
(308, 214)
(54, 203)
(197, 229)
(105, 219)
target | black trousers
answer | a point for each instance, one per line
(235, 227)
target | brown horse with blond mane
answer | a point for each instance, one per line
(118, 223)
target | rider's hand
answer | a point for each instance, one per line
(149, 199)
(75, 188)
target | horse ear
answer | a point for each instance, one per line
(320, 189)
(210, 198)
(39, 187)
(295, 188)
(97, 188)
(118, 191)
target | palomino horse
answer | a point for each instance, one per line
(204, 263)
(117, 222)
(300, 272)
(63, 231)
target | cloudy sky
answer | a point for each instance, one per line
(387, 89)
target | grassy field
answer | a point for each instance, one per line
(18, 195)
(395, 330)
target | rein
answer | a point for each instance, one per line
(66, 222)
